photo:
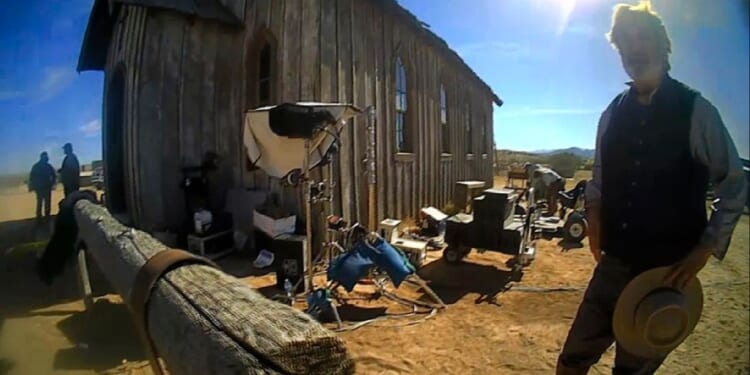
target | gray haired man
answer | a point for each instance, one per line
(659, 145)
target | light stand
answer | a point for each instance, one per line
(311, 198)
(371, 168)
(315, 192)
(312, 193)
(308, 218)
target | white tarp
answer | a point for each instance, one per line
(434, 213)
(277, 155)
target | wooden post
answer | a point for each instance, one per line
(84, 282)
(203, 321)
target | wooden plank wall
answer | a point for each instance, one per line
(182, 101)
(192, 79)
(125, 53)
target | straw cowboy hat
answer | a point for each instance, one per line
(651, 319)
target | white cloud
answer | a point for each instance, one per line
(56, 79)
(91, 128)
(528, 111)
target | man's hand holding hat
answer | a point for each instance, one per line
(683, 271)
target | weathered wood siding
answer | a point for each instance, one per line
(183, 99)
(125, 52)
(190, 92)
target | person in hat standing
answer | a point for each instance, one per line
(659, 143)
(42, 179)
(70, 171)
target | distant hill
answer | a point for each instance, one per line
(577, 151)
(504, 158)
(564, 161)
(12, 180)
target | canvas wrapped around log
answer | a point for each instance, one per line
(203, 321)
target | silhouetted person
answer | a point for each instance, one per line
(42, 180)
(70, 171)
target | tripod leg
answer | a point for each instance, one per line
(336, 314)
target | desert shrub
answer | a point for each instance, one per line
(587, 165)
(566, 164)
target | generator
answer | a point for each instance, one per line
(493, 226)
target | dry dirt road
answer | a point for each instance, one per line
(43, 329)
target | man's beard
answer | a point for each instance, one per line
(642, 71)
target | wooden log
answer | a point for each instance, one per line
(203, 321)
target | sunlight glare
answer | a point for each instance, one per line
(566, 8)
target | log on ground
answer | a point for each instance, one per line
(203, 321)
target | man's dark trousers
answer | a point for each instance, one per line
(591, 333)
(70, 188)
(43, 198)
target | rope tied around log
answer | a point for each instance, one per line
(151, 271)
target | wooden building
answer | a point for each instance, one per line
(179, 76)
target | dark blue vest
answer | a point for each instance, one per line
(653, 191)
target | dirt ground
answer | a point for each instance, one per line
(484, 330)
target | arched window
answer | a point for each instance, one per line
(261, 70)
(445, 132)
(264, 74)
(401, 107)
(483, 133)
(114, 146)
(260, 74)
(468, 128)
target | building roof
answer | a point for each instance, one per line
(438, 42)
(98, 34)
(99, 30)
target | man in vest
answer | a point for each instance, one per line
(658, 146)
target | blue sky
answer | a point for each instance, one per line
(44, 102)
(550, 61)
(547, 59)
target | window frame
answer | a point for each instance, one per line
(401, 101)
(262, 39)
(468, 130)
(265, 77)
(483, 134)
(445, 142)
